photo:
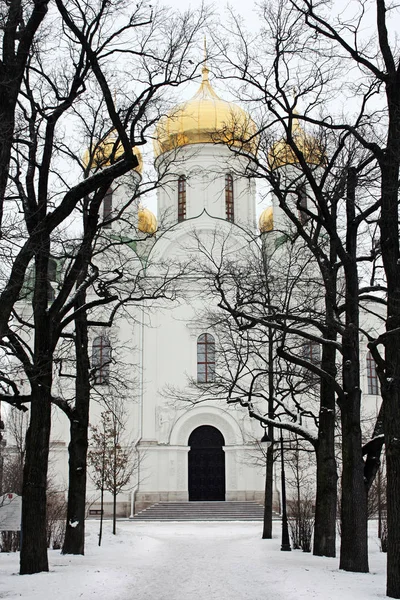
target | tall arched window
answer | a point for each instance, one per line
(181, 198)
(312, 352)
(101, 359)
(107, 208)
(205, 358)
(229, 205)
(372, 377)
(302, 204)
(52, 269)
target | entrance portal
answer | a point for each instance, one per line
(206, 464)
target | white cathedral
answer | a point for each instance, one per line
(205, 450)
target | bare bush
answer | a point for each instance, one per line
(56, 519)
(10, 541)
(301, 524)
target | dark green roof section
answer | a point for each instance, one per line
(282, 239)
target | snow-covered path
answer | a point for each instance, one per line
(212, 562)
(191, 561)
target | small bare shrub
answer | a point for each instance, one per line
(56, 519)
(9, 541)
(301, 524)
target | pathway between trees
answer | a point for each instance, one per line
(190, 561)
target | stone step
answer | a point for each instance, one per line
(202, 511)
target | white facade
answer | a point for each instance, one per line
(156, 343)
(169, 340)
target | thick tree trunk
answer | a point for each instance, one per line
(392, 442)
(391, 385)
(354, 542)
(267, 525)
(33, 557)
(269, 471)
(17, 41)
(326, 501)
(74, 542)
(326, 477)
(6, 138)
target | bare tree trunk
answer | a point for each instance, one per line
(115, 477)
(269, 471)
(18, 38)
(33, 557)
(326, 476)
(114, 513)
(391, 388)
(101, 513)
(74, 542)
(354, 541)
(267, 525)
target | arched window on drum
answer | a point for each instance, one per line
(229, 200)
(181, 198)
(101, 359)
(205, 358)
(372, 376)
(108, 208)
(302, 204)
(311, 352)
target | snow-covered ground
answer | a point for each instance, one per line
(191, 561)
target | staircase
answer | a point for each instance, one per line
(202, 511)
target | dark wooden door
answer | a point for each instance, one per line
(206, 464)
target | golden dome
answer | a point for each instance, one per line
(147, 221)
(282, 154)
(102, 151)
(266, 220)
(206, 119)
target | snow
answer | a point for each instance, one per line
(74, 524)
(180, 561)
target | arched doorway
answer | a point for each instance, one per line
(206, 464)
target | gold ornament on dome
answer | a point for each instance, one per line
(281, 154)
(102, 152)
(266, 220)
(147, 221)
(206, 119)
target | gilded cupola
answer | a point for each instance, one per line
(101, 153)
(147, 221)
(266, 220)
(281, 154)
(206, 119)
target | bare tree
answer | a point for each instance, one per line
(111, 457)
(325, 190)
(375, 127)
(50, 94)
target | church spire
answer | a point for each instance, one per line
(205, 70)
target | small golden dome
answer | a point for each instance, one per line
(147, 221)
(266, 220)
(206, 119)
(281, 154)
(103, 150)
